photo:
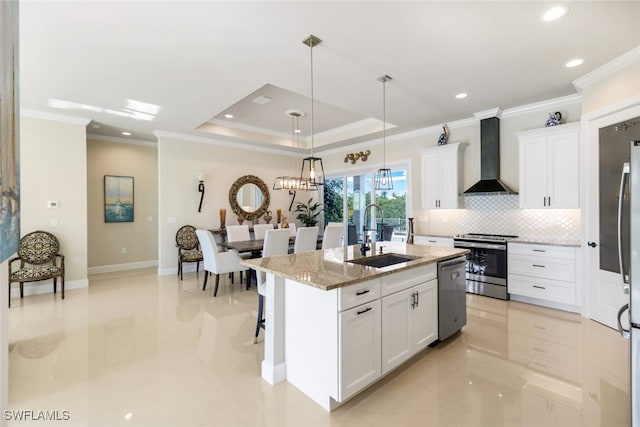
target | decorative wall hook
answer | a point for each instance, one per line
(200, 189)
(353, 157)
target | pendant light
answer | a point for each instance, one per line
(383, 179)
(292, 183)
(312, 173)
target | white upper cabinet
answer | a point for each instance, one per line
(442, 181)
(549, 167)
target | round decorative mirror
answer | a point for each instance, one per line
(249, 197)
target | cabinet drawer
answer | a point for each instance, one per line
(405, 279)
(562, 252)
(360, 293)
(535, 287)
(548, 268)
(433, 241)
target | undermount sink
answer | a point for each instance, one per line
(385, 260)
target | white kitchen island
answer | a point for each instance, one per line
(333, 327)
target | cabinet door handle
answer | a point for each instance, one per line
(363, 311)
(417, 298)
(538, 250)
(366, 291)
(549, 200)
(539, 287)
(538, 265)
(413, 300)
(544, 199)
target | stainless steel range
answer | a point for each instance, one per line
(486, 267)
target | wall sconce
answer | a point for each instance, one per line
(200, 189)
(362, 155)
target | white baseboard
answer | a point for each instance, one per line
(548, 304)
(122, 267)
(186, 268)
(46, 286)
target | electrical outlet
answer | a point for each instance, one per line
(124, 250)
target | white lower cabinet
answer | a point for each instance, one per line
(334, 339)
(446, 242)
(409, 323)
(543, 272)
(359, 348)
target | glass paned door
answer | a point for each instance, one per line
(334, 200)
(345, 200)
(394, 206)
(358, 197)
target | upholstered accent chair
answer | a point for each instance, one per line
(39, 260)
(188, 247)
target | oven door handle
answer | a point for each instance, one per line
(474, 245)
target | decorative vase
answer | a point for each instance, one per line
(223, 218)
(284, 223)
(410, 232)
(267, 217)
(241, 219)
(278, 215)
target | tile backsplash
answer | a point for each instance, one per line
(502, 215)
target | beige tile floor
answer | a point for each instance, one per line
(141, 350)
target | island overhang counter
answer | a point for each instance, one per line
(324, 330)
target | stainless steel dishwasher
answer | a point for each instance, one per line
(452, 297)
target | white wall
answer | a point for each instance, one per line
(53, 167)
(140, 237)
(179, 162)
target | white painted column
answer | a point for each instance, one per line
(273, 365)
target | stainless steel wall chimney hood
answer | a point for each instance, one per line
(489, 161)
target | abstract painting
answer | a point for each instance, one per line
(118, 198)
(9, 125)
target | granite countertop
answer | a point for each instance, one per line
(550, 242)
(327, 269)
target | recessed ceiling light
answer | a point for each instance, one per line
(126, 133)
(574, 63)
(554, 13)
(461, 95)
(229, 116)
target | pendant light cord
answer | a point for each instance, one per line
(312, 115)
(384, 123)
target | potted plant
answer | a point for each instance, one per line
(307, 213)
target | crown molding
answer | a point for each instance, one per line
(96, 137)
(607, 69)
(248, 146)
(62, 118)
(493, 112)
(542, 105)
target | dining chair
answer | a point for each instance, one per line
(306, 239)
(292, 229)
(236, 233)
(217, 262)
(188, 250)
(333, 236)
(259, 230)
(276, 242)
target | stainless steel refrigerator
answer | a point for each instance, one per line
(629, 207)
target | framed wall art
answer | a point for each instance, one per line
(9, 132)
(118, 198)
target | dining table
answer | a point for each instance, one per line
(254, 246)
